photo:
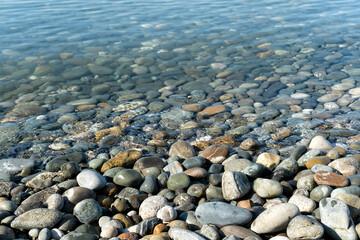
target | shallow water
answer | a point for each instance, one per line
(54, 53)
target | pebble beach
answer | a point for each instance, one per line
(191, 127)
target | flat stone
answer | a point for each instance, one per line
(90, 179)
(194, 107)
(178, 233)
(319, 142)
(320, 192)
(216, 153)
(234, 185)
(330, 179)
(267, 188)
(181, 149)
(239, 232)
(331, 210)
(304, 227)
(147, 162)
(212, 110)
(269, 160)
(122, 159)
(305, 204)
(196, 172)
(87, 210)
(42, 195)
(275, 218)
(37, 218)
(151, 205)
(222, 214)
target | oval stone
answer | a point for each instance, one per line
(330, 179)
(128, 178)
(222, 214)
(304, 227)
(234, 185)
(267, 188)
(178, 180)
(216, 153)
(37, 218)
(151, 205)
(275, 218)
(91, 179)
(87, 210)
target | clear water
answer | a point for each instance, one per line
(34, 33)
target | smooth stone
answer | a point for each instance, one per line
(76, 194)
(128, 178)
(79, 236)
(178, 180)
(6, 233)
(288, 165)
(222, 214)
(267, 188)
(306, 182)
(304, 227)
(192, 162)
(319, 142)
(305, 204)
(331, 210)
(310, 154)
(212, 110)
(350, 189)
(55, 201)
(209, 232)
(44, 234)
(149, 185)
(269, 160)
(87, 210)
(330, 179)
(196, 172)
(320, 192)
(7, 205)
(324, 160)
(214, 193)
(275, 218)
(167, 214)
(234, 185)
(37, 218)
(319, 167)
(352, 201)
(255, 170)
(91, 179)
(182, 149)
(237, 164)
(151, 205)
(216, 153)
(178, 233)
(147, 162)
(239, 232)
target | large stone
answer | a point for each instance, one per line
(234, 185)
(128, 178)
(37, 218)
(151, 205)
(304, 227)
(182, 149)
(335, 216)
(222, 214)
(90, 179)
(275, 218)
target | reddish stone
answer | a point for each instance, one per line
(215, 153)
(212, 110)
(330, 179)
(128, 236)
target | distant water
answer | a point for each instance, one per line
(41, 28)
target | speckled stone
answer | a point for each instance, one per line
(320, 192)
(182, 149)
(275, 218)
(330, 179)
(87, 210)
(167, 214)
(37, 218)
(319, 142)
(151, 205)
(216, 153)
(305, 204)
(304, 227)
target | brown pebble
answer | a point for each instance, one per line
(160, 228)
(179, 223)
(161, 135)
(195, 107)
(248, 144)
(196, 172)
(122, 159)
(216, 153)
(324, 160)
(330, 179)
(157, 143)
(212, 110)
(227, 140)
(85, 107)
(201, 145)
(124, 220)
(129, 236)
(245, 204)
